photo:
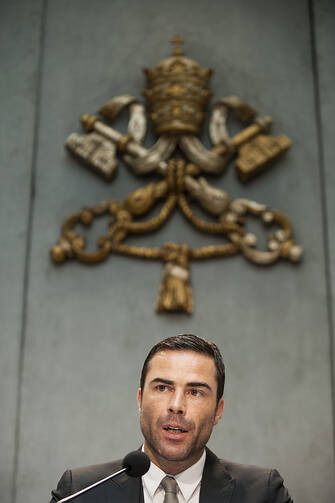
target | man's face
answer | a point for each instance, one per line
(178, 408)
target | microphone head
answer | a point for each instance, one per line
(137, 463)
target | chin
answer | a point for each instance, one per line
(174, 454)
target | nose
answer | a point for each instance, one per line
(177, 403)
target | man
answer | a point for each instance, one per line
(180, 400)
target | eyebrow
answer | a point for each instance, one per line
(199, 385)
(189, 384)
(160, 379)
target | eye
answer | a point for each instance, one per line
(196, 392)
(161, 387)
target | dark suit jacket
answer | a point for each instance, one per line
(222, 482)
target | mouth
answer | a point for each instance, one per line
(174, 429)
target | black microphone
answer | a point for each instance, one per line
(135, 464)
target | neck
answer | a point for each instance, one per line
(171, 466)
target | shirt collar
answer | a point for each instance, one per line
(188, 480)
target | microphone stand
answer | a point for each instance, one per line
(82, 491)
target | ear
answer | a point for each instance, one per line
(219, 411)
(139, 398)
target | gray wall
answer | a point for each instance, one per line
(73, 338)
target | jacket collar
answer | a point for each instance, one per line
(217, 485)
(130, 489)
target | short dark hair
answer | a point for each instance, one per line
(189, 342)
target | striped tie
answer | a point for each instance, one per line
(170, 487)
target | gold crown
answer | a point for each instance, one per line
(177, 93)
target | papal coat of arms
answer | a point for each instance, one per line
(177, 95)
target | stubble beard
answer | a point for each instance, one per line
(191, 451)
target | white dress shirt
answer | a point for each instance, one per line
(189, 482)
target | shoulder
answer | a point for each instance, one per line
(237, 471)
(253, 482)
(77, 478)
(86, 475)
(245, 472)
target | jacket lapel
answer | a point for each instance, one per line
(217, 485)
(129, 490)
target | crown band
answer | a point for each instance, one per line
(177, 94)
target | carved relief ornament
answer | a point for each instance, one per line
(177, 94)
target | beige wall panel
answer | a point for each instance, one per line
(19, 53)
(325, 70)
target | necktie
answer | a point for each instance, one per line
(170, 487)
